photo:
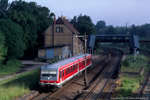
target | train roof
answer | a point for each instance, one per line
(60, 63)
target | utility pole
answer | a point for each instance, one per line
(85, 46)
(126, 26)
(86, 80)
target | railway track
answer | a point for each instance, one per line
(145, 90)
(97, 90)
(42, 96)
(61, 94)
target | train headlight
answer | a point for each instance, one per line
(48, 77)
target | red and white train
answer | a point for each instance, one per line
(55, 75)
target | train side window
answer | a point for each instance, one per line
(76, 66)
(83, 63)
(88, 60)
(71, 68)
(66, 71)
(63, 73)
(60, 74)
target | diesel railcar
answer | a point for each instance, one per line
(56, 74)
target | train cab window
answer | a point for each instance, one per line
(50, 74)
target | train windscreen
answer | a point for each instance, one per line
(50, 74)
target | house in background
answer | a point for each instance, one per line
(60, 41)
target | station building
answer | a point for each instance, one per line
(60, 41)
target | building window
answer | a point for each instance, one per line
(59, 29)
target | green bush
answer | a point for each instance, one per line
(128, 86)
(11, 67)
(126, 63)
(13, 62)
(125, 92)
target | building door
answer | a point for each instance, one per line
(49, 53)
(63, 52)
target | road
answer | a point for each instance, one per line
(30, 65)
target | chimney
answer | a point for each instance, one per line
(54, 20)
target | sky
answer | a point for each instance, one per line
(113, 12)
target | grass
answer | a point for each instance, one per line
(11, 67)
(97, 51)
(134, 65)
(19, 85)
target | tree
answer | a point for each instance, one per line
(101, 27)
(14, 38)
(134, 30)
(33, 18)
(3, 7)
(110, 30)
(3, 49)
(83, 24)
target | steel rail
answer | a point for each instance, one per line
(142, 91)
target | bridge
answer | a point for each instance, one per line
(131, 39)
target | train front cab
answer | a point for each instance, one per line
(48, 79)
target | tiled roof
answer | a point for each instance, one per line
(61, 20)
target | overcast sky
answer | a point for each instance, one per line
(113, 12)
